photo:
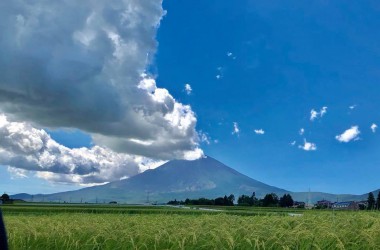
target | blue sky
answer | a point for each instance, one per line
(262, 66)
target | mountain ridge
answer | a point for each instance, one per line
(181, 179)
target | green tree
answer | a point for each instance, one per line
(220, 201)
(371, 201)
(378, 201)
(270, 200)
(286, 201)
(231, 199)
(254, 200)
(244, 200)
(5, 197)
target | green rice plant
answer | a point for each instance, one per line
(169, 228)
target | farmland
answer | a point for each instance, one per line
(158, 227)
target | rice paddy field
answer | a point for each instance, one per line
(160, 227)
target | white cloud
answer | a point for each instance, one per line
(259, 131)
(302, 131)
(231, 55)
(236, 130)
(352, 107)
(349, 135)
(24, 148)
(323, 111)
(220, 73)
(308, 146)
(315, 115)
(373, 127)
(193, 154)
(188, 89)
(293, 143)
(82, 64)
(17, 173)
(205, 138)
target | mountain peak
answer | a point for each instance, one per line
(177, 179)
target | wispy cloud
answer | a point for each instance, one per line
(349, 135)
(220, 73)
(302, 131)
(231, 55)
(259, 131)
(373, 127)
(188, 89)
(315, 114)
(236, 130)
(352, 107)
(204, 137)
(308, 146)
(323, 111)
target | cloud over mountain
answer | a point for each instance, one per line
(70, 64)
(23, 147)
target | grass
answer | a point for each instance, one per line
(74, 227)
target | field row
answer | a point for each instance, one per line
(185, 230)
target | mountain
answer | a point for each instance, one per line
(177, 179)
(180, 179)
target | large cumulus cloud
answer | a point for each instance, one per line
(82, 64)
(27, 148)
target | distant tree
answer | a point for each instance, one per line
(175, 202)
(270, 200)
(371, 201)
(254, 199)
(5, 197)
(362, 207)
(378, 201)
(225, 200)
(231, 199)
(219, 201)
(282, 201)
(244, 200)
(286, 201)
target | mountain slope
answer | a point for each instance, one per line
(180, 179)
(177, 179)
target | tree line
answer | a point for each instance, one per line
(269, 200)
(372, 203)
(6, 198)
(220, 201)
